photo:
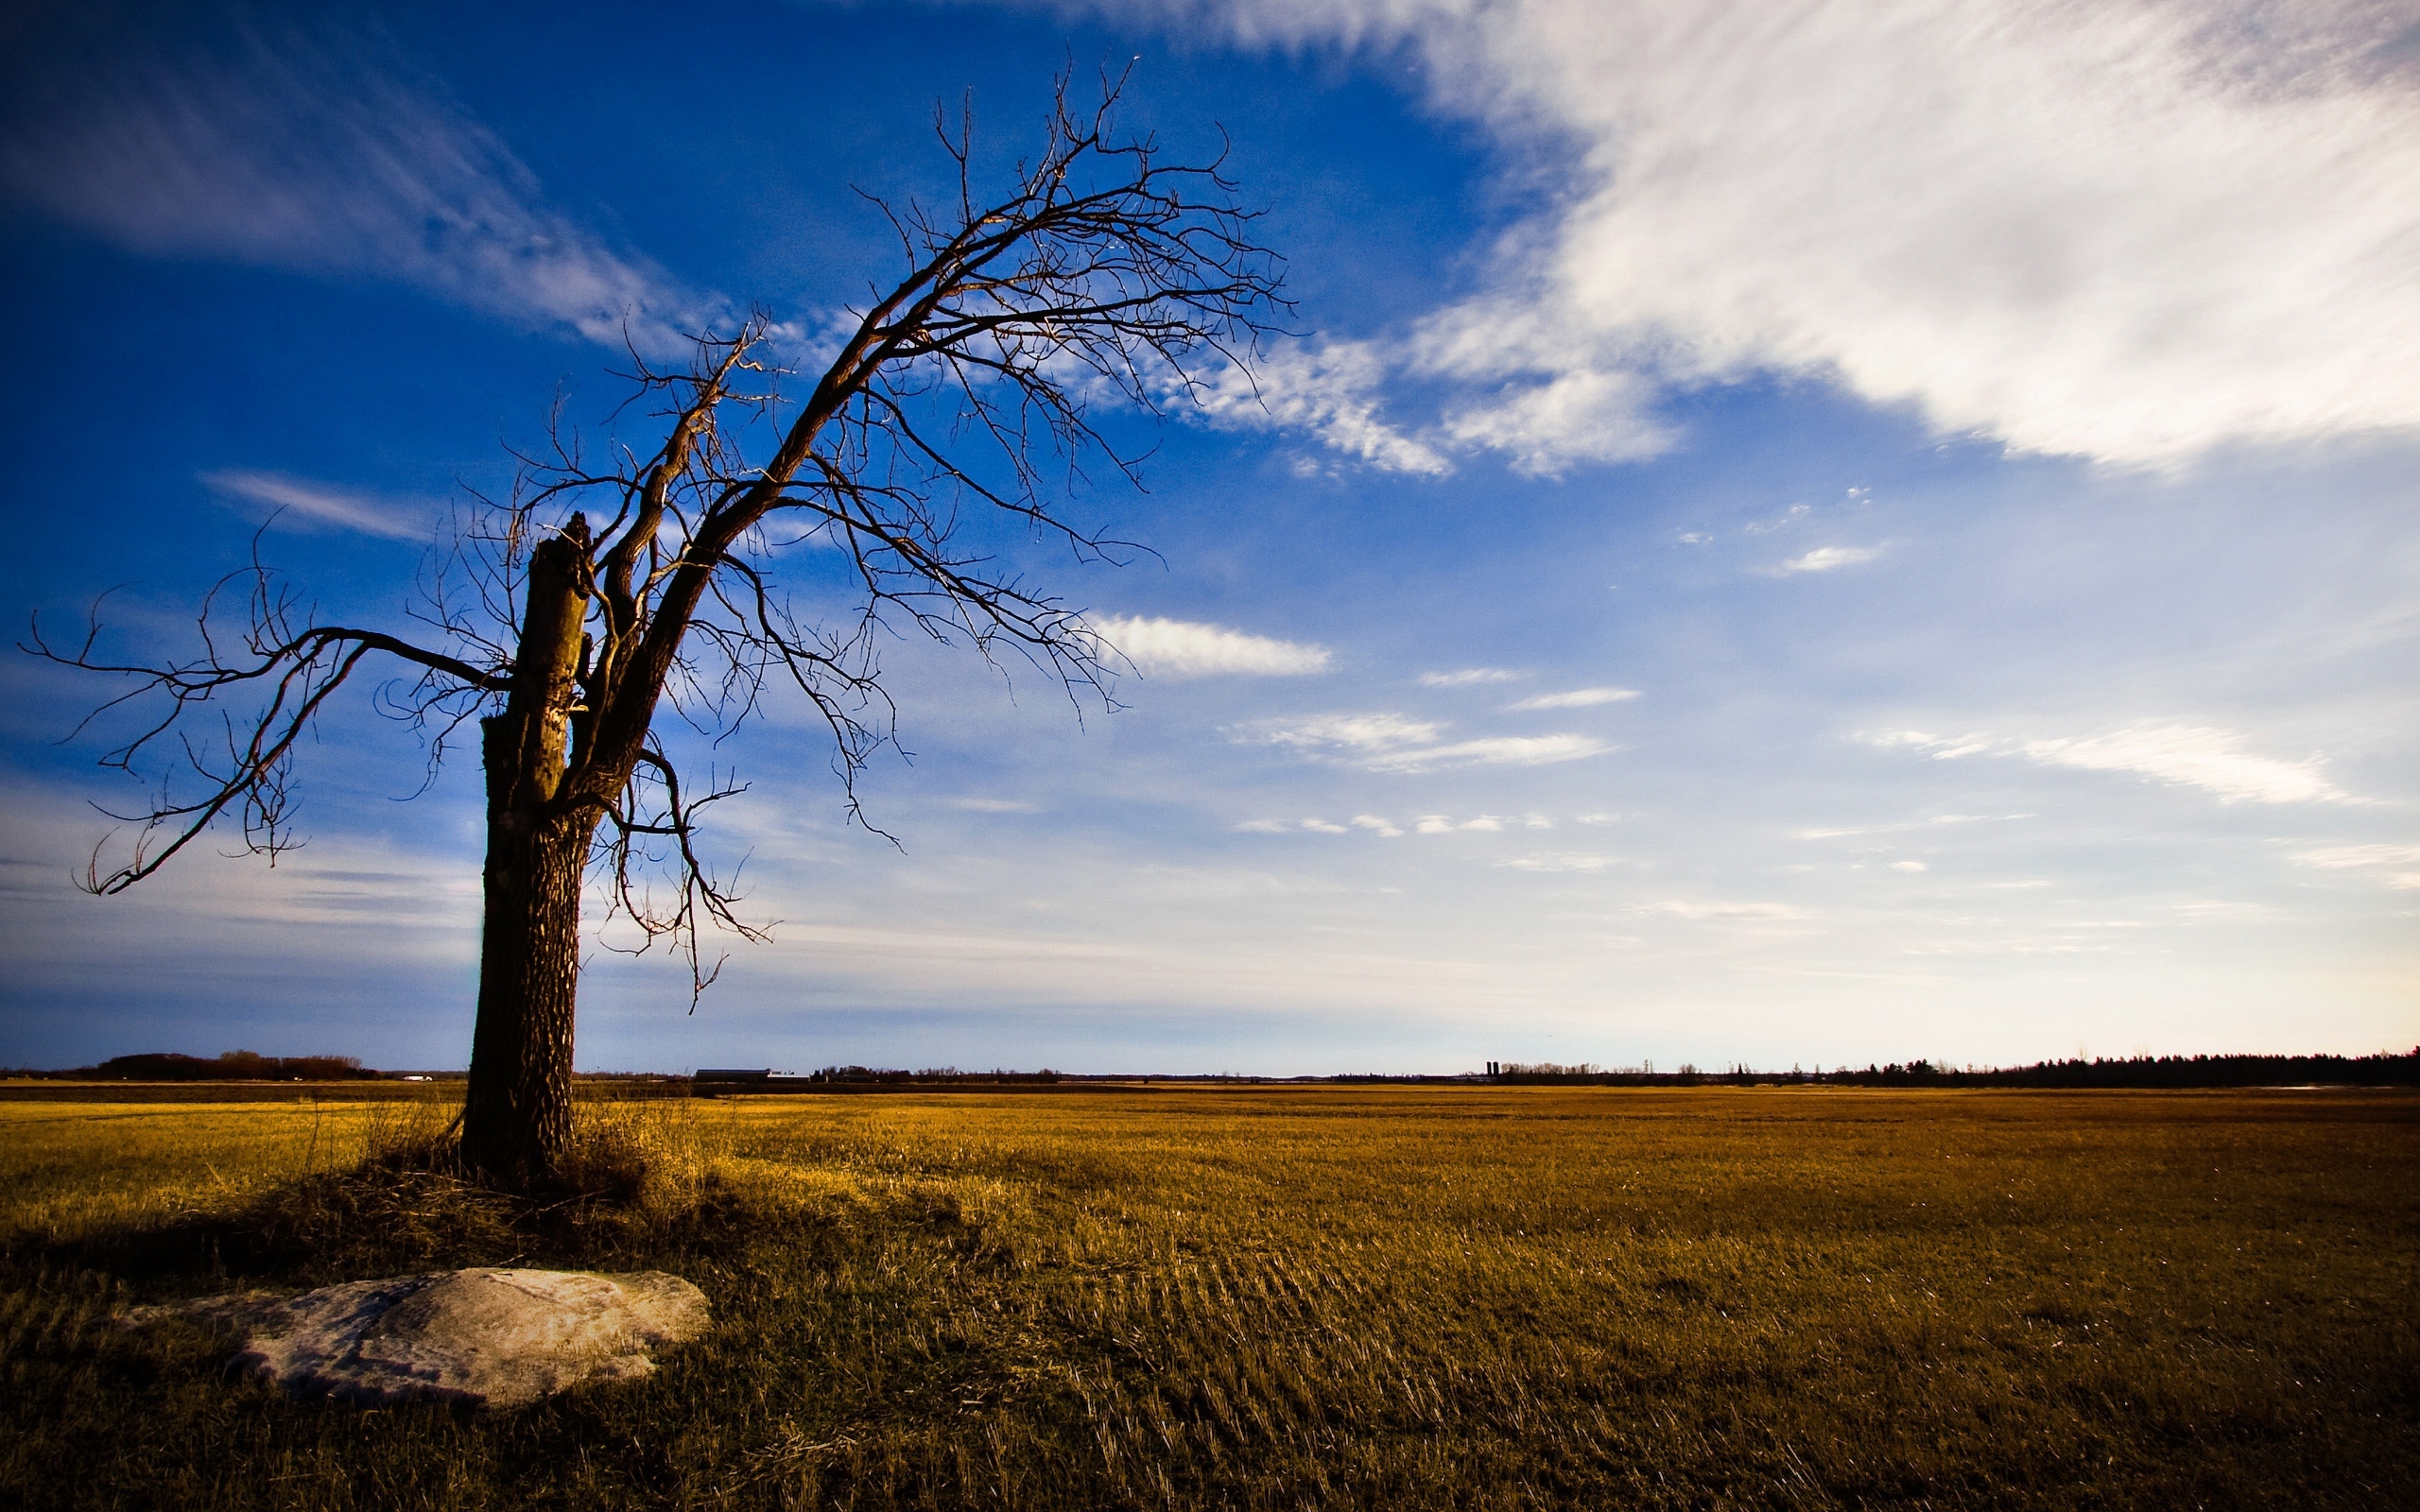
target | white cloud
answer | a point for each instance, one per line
(1391, 743)
(2332, 857)
(2190, 755)
(1180, 648)
(1544, 427)
(1349, 733)
(993, 805)
(2203, 758)
(1373, 822)
(290, 154)
(1443, 824)
(1468, 676)
(1310, 826)
(1328, 390)
(1907, 866)
(2132, 231)
(1823, 560)
(1499, 751)
(298, 500)
(1577, 699)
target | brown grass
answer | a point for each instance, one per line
(1517, 1297)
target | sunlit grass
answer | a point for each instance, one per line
(1303, 1297)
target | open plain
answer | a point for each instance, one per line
(1283, 1298)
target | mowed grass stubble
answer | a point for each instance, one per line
(1320, 1297)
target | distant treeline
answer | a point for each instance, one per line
(235, 1065)
(2141, 1071)
(2385, 1069)
(870, 1075)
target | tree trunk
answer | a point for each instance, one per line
(517, 1118)
(516, 1122)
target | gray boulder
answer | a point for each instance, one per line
(498, 1338)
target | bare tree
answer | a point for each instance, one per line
(600, 595)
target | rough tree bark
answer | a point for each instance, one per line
(516, 1117)
(603, 593)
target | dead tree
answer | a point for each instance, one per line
(596, 597)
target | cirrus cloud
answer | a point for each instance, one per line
(1576, 698)
(302, 501)
(1496, 751)
(2189, 755)
(1394, 743)
(1469, 677)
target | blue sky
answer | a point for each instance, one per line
(1795, 533)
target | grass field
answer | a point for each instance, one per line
(1283, 1298)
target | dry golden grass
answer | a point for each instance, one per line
(1514, 1297)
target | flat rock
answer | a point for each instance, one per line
(498, 1338)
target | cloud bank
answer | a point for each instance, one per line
(2134, 232)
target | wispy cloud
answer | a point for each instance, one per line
(1347, 732)
(1576, 698)
(1825, 559)
(2340, 856)
(1307, 826)
(1795, 514)
(2196, 756)
(1469, 677)
(1180, 648)
(1394, 743)
(1498, 750)
(2189, 755)
(1560, 860)
(299, 153)
(301, 501)
(1329, 389)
